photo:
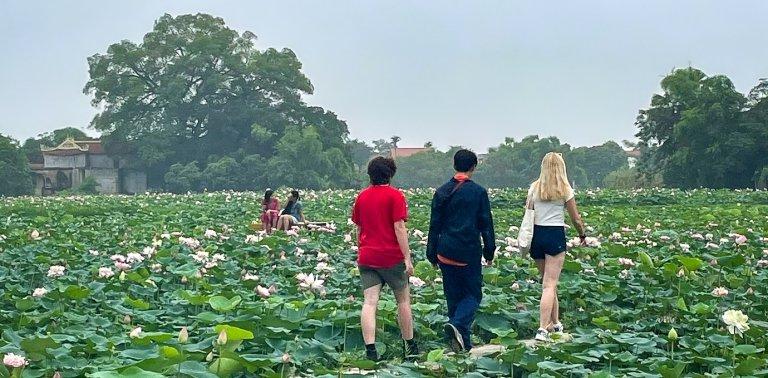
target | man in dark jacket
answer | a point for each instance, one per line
(461, 216)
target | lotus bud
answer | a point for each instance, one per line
(56, 375)
(222, 337)
(750, 291)
(681, 272)
(209, 357)
(127, 319)
(672, 335)
(713, 262)
(183, 279)
(515, 286)
(286, 358)
(183, 335)
(122, 276)
(601, 264)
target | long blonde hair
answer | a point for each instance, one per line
(553, 180)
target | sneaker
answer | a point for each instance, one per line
(542, 335)
(454, 337)
(372, 355)
(410, 350)
(557, 327)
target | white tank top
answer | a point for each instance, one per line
(549, 213)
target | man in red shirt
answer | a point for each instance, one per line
(384, 257)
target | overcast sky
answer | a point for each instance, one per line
(454, 73)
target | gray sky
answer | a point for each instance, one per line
(469, 72)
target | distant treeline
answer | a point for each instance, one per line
(197, 106)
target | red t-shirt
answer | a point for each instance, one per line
(376, 210)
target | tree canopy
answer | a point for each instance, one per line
(193, 89)
(15, 175)
(701, 132)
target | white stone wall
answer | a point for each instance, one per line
(107, 179)
(134, 182)
(73, 161)
(102, 161)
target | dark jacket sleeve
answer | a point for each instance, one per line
(435, 223)
(486, 227)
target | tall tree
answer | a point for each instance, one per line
(194, 88)
(517, 164)
(699, 133)
(596, 162)
(15, 177)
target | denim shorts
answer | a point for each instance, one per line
(547, 240)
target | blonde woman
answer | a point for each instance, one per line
(551, 195)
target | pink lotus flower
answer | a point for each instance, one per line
(740, 239)
(250, 277)
(262, 291)
(14, 360)
(626, 262)
(122, 266)
(416, 281)
(292, 233)
(719, 292)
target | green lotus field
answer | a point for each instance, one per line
(672, 284)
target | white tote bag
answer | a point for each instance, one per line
(525, 236)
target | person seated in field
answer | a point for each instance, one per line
(292, 214)
(270, 211)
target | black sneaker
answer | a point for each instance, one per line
(410, 350)
(372, 355)
(454, 337)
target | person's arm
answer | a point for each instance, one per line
(401, 231)
(433, 235)
(486, 228)
(573, 212)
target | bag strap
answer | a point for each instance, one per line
(450, 195)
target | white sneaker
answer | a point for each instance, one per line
(542, 335)
(557, 327)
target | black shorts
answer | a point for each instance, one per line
(547, 240)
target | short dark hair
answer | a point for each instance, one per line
(381, 170)
(295, 194)
(464, 161)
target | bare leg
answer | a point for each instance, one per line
(368, 314)
(552, 267)
(404, 316)
(555, 317)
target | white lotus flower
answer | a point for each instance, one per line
(322, 256)
(685, 247)
(347, 238)
(210, 234)
(762, 263)
(719, 292)
(253, 239)
(624, 274)
(737, 322)
(106, 272)
(250, 277)
(56, 271)
(39, 292)
(93, 252)
(135, 333)
(134, 257)
(34, 235)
